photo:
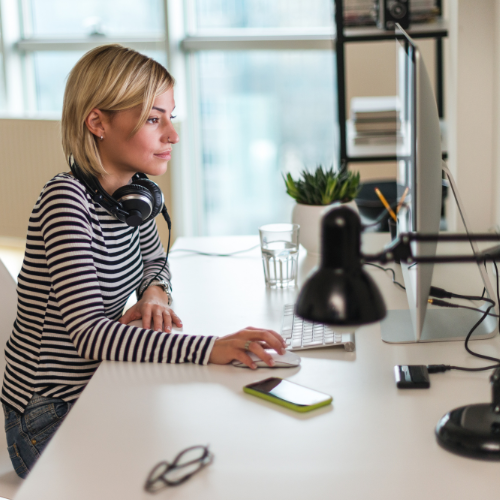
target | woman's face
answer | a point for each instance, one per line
(148, 150)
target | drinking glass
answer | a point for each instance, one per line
(279, 244)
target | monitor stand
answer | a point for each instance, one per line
(440, 325)
(443, 324)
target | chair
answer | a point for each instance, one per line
(9, 480)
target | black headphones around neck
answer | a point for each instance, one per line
(134, 204)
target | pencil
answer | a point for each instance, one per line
(400, 204)
(386, 205)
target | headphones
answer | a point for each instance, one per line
(134, 204)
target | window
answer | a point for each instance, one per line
(262, 73)
(213, 14)
(261, 113)
(43, 39)
(255, 90)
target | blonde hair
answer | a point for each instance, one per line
(110, 78)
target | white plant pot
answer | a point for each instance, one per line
(309, 219)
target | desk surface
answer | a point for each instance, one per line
(375, 442)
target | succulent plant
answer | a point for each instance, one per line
(323, 187)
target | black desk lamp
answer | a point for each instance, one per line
(341, 293)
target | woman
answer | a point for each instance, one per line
(82, 263)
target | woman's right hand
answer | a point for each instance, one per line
(231, 347)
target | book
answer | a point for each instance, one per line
(377, 126)
(374, 108)
(371, 138)
(374, 139)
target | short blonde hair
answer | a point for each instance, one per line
(110, 78)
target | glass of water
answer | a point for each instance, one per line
(279, 244)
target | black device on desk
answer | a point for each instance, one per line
(412, 377)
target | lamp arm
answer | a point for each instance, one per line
(400, 249)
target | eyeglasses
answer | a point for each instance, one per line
(187, 463)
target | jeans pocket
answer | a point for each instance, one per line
(17, 461)
(42, 421)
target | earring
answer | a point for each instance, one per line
(102, 137)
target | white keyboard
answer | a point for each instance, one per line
(300, 334)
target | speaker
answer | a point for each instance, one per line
(390, 12)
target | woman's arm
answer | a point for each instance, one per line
(65, 223)
(153, 256)
(155, 312)
(153, 307)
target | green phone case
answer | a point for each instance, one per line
(287, 404)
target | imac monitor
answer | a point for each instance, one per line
(419, 172)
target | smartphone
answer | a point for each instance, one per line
(293, 396)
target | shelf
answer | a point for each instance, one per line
(435, 29)
(381, 152)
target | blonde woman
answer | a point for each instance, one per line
(83, 260)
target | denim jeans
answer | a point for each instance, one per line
(29, 433)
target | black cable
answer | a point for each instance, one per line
(214, 254)
(441, 293)
(470, 351)
(387, 269)
(442, 303)
(442, 368)
(381, 217)
(139, 296)
(166, 216)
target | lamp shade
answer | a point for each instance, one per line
(341, 292)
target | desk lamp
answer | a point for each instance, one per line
(342, 294)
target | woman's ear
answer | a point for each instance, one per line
(95, 122)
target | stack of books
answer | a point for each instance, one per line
(361, 12)
(374, 120)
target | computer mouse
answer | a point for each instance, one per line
(287, 360)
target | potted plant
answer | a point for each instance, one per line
(315, 193)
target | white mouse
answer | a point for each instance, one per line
(287, 360)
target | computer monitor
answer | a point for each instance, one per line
(419, 171)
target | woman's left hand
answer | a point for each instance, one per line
(154, 310)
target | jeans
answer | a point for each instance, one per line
(29, 433)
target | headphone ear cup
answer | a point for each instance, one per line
(156, 193)
(137, 201)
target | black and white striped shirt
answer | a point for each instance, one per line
(80, 267)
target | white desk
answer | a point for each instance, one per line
(375, 442)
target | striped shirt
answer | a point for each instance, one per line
(80, 267)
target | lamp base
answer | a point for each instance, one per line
(471, 431)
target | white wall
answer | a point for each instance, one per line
(496, 123)
(471, 90)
